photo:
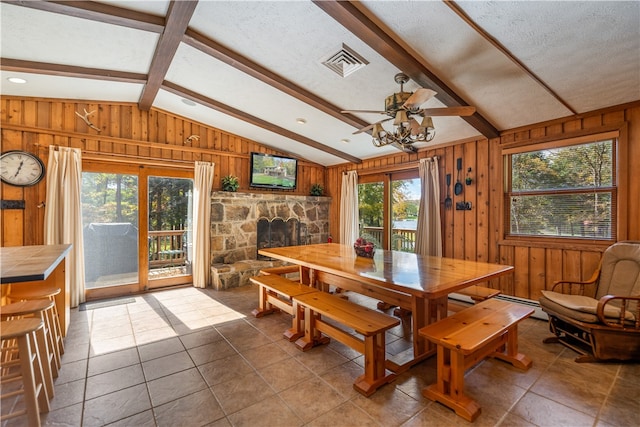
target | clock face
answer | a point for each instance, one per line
(21, 168)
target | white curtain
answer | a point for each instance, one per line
(63, 213)
(349, 217)
(429, 232)
(203, 182)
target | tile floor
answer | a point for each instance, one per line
(189, 357)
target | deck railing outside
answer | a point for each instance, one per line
(167, 248)
(402, 239)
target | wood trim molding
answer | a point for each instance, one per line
(131, 142)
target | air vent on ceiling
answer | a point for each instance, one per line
(345, 61)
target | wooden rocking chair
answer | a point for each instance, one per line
(600, 318)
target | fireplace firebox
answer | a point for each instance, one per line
(276, 232)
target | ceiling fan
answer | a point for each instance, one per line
(413, 124)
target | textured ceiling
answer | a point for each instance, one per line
(253, 68)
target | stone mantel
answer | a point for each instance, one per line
(234, 218)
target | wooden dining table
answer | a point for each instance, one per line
(38, 265)
(416, 283)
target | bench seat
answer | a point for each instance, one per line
(487, 329)
(372, 325)
(478, 293)
(276, 293)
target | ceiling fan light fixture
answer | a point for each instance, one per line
(401, 119)
(427, 123)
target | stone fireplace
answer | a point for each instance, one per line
(235, 222)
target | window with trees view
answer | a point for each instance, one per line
(566, 192)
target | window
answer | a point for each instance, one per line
(562, 191)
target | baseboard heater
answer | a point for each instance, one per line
(538, 314)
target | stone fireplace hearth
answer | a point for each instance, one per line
(234, 230)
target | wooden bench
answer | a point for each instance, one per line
(276, 293)
(371, 324)
(478, 293)
(487, 329)
(287, 269)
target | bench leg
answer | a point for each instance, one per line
(449, 388)
(510, 353)
(312, 337)
(374, 366)
(297, 323)
(264, 306)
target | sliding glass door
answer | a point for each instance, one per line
(137, 228)
(169, 219)
(388, 209)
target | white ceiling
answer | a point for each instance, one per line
(586, 53)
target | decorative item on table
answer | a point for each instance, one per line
(364, 248)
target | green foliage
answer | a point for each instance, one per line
(168, 203)
(230, 183)
(371, 204)
(113, 198)
(109, 198)
(316, 190)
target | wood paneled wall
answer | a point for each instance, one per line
(127, 135)
(156, 137)
(478, 234)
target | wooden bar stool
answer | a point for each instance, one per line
(46, 343)
(27, 369)
(28, 293)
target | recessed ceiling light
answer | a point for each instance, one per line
(301, 121)
(188, 102)
(17, 80)
(345, 140)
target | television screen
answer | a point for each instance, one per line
(271, 171)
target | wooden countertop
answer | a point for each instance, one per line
(30, 263)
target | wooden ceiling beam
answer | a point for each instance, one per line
(255, 70)
(177, 22)
(349, 15)
(100, 12)
(241, 115)
(33, 67)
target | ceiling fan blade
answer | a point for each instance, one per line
(448, 111)
(364, 111)
(368, 128)
(418, 98)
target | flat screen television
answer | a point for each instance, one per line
(271, 171)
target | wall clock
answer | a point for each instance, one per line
(21, 168)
